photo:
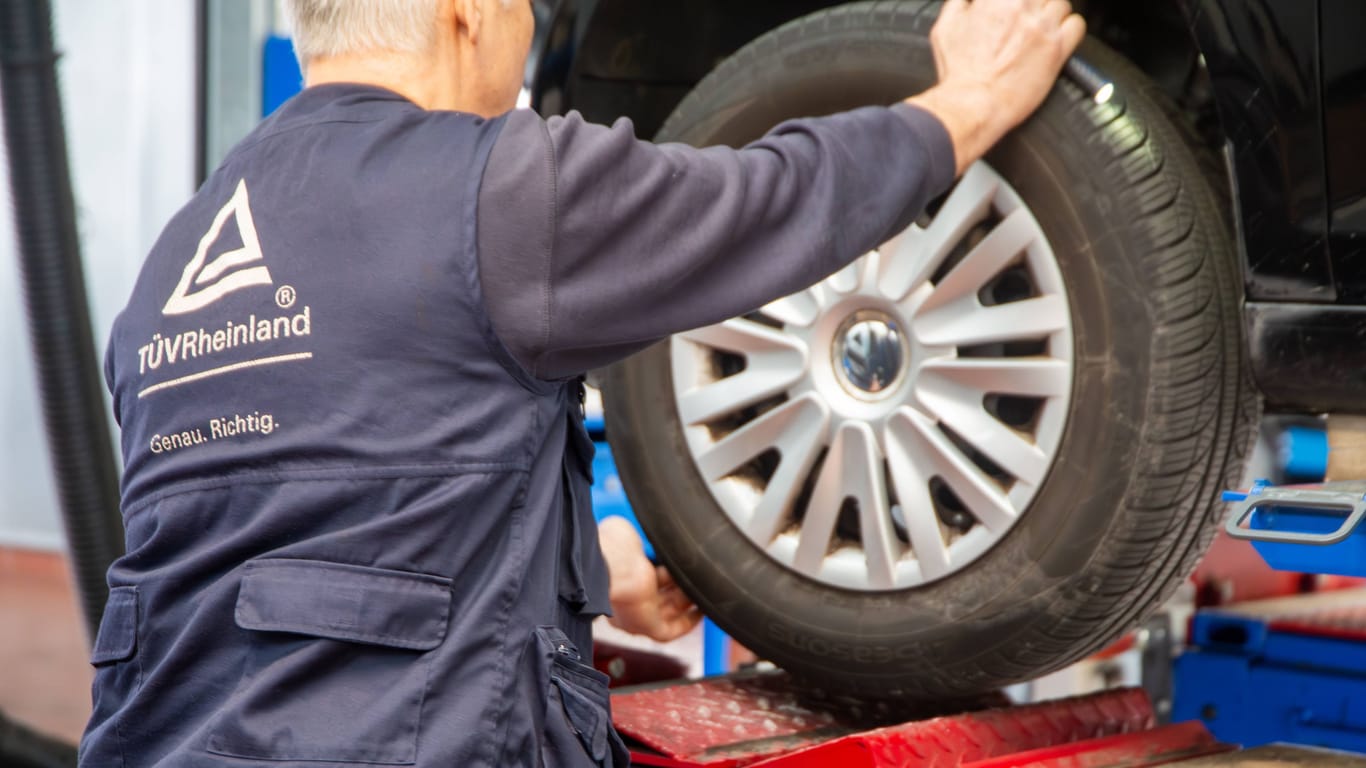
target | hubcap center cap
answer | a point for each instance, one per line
(870, 354)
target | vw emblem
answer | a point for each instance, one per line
(870, 353)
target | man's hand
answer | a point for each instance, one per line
(997, 61)
(645, 599)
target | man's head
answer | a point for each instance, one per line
(443, 54)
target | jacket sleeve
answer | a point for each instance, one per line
(593, 244)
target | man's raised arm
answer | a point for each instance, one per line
(594, 244)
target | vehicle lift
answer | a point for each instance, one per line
(1292, 669)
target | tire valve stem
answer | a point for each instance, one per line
(1090, 80)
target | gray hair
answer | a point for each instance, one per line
(338, 27)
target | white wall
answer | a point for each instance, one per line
(127, 74)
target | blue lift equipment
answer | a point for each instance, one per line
(1290, 669)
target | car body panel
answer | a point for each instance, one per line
(1309, 357)
(1262, 59)
(1344, 100)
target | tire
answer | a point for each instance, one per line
(1156, 420)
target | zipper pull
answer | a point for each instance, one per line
(564, 649)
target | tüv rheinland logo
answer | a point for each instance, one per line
(202, 284)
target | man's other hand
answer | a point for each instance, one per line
(645, 599)
(997, 61)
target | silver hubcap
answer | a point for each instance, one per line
(886, 427)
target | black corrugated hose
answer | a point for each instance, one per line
(59, 326)
(22, 748)
(69, 376)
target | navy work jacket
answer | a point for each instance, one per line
(357, 530)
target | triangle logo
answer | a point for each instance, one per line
(201, 284)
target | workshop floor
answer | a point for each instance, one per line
(44, 670)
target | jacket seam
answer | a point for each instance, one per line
(524, 487)
(497, 347)
(552, 226)
(502, 717)
(326, 475)
(345, 631)
(302, 126)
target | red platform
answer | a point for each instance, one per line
(760, 720)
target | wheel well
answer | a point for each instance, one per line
(638, 59)
(1156, 38)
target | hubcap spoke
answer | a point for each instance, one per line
(768, 374)
(966, 322)
(985, 261)
(800, 309)
(1026, 376)
(792, 423)
(802, 444)
(906, 460)
(963, 412)
(853, 470)
(929, 448)
(774, 361)
(920, 252)
(744, 337)
(846, 280)
(880, 545)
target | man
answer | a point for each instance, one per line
(356, 491)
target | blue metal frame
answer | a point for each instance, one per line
(1253, 681)
(1307, 529)
(1252, 684)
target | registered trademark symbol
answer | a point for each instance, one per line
(285, 296)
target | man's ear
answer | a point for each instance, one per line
(469, 16)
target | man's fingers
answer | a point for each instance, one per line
(1011, 6)
(670, 614)
(673, 597)
(1072, 31)
(677, 627)
(952, 9)
(1054, 11)
(670, 622)
(688, 621)
(679, 603)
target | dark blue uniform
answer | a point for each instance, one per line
(356, 476)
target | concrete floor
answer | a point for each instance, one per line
(44, 664)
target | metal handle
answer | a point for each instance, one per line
(1091, 80)
(1354, 504)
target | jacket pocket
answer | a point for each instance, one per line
(578, 717)
(337, 662)
(118, 676)
(117, 639)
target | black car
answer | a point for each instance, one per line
(996, 442)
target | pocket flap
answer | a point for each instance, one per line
(117, 637)
(587, 718)
(378, 606)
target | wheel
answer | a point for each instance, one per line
(985, 449)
